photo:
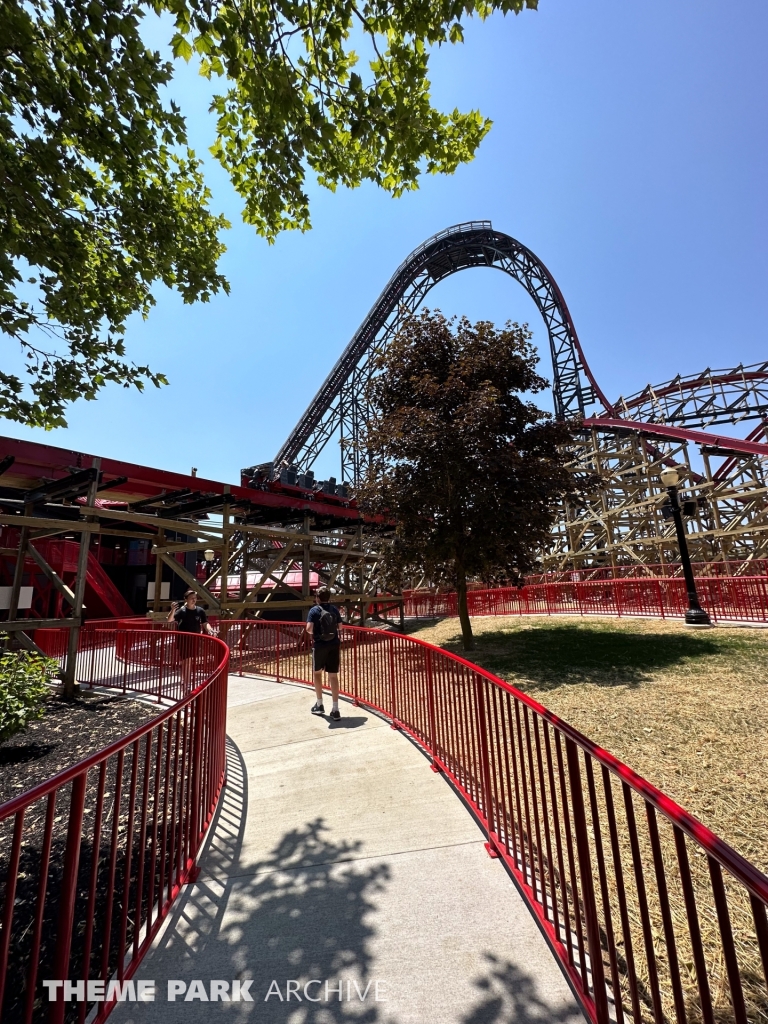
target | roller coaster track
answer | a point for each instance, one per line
(702, 399)
(718, 442)
(622, 448)
(339, 404)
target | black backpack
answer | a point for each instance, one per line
(327, 626)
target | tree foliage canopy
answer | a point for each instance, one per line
(100, 196)
(471, 471)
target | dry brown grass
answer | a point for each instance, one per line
(686, 709)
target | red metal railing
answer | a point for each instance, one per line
(641, 570)
(651, 915)
(735, 599)
(91, 860)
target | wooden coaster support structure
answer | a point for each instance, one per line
(271, 547)
(270, 569)
(33, 527)
(618, 518)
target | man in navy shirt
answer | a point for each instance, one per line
(323, 624)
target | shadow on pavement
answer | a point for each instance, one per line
(351, 722)
(508, 996)
(299, 915)
(306, 913)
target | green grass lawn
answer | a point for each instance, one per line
(687, 709)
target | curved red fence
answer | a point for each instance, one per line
(640, 570)
(91, 861)
(727, 599)
(651, 915)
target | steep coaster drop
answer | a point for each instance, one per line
(623, 448)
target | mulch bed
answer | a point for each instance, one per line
(68, 732)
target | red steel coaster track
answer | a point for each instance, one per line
(340, 404)
(618, 519)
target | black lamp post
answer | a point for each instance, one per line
(695, 616)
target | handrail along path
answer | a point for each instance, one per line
(92, 859)
(725, 598)
(651, 916)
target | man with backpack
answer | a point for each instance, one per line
(323, 623)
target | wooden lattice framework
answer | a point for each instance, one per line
(272, 546)
(618, 517)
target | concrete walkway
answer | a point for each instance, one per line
(338, 856)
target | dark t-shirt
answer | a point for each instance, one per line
(190, 620)
(314, 618)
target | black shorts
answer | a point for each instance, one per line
(186, 646)
(326, 658)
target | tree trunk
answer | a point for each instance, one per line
(466, 626)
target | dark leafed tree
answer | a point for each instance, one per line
(101, 199)
(470, 470)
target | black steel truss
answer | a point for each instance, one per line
(340, 402)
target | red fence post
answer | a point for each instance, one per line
(194, 826)
(354, 670)
(392, 688)
(587, 882)
(616, 588)
(161, 645)
(68, 891)
(125, 656)
(277, 654)
(485, 757)
(659, 597)
(10, 902)
(763, 601)
(431, 710)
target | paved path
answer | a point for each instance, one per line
(337, 855)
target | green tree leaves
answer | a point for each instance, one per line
(23, 689)
(101, 197)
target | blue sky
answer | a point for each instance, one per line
(629, 151)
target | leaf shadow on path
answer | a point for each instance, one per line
(307, 910)
(507, 995)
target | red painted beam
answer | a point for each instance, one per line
(677, 387)
(34, 461)
(728, 444)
